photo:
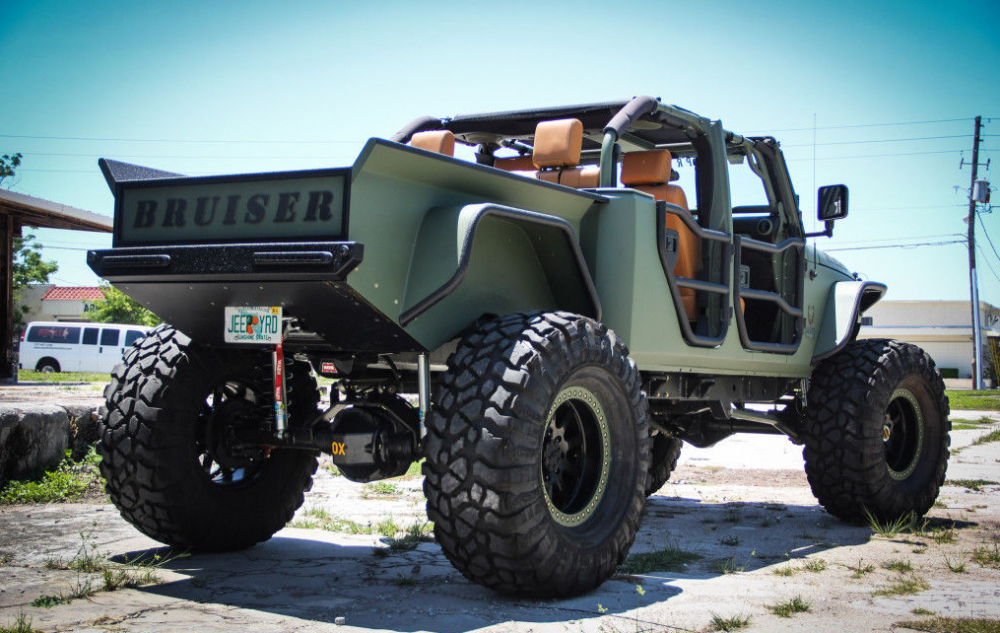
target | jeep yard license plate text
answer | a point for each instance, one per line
(253, 324)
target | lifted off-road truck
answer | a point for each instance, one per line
(565, 318)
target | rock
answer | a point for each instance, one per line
(32, 438)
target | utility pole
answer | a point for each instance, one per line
(977, 343)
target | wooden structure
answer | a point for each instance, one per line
(16, 211)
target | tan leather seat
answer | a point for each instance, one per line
(437, 141)
(557, 153)
(520, 165)
(514, 163)
(649, 172)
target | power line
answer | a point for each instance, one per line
(987, 262)
(168, 140)
(988, 238)
(862, 125)
(936, 151)
(895, 239)
(131, 156)
(882, 140)
(868, 248)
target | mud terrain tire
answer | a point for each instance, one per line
(538, 416)
(163, 466)
(876, 436)
(665, 452)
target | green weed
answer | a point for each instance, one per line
(726, 566)
(982, 400)
(957, 566)
(667, 559)
(971, 484)
(383, 488)
(921, 611)
(993, 436)
(861, 569)
(789, 607)
(786, 571)
(731, 541)
(987, 556)
(897, 565)
(21, 624)
(904, 587)
(815, 566)
(952, 625)
(734, 623)
(67, 482)
(27, 375)
(81, 588)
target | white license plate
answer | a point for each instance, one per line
(253, 324)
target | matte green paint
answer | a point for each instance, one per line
(412, 210)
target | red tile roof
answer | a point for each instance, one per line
(73, 293)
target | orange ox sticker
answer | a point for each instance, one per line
(338, 449)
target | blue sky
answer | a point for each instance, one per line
(198, 87)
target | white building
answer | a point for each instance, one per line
(47, 302)
(942, 328)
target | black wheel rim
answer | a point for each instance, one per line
(903, 434)
(575, 456)
(223, 461)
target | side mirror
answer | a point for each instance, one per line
(832, 204)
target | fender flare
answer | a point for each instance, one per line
(469, 218)
(845, 304)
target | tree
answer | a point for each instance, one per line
(8, 163)
(118, 307)
(29, 267)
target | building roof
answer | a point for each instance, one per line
(73, 293)
(31, 211)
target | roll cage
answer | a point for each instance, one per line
(768, 298)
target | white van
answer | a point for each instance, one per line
(60, 346)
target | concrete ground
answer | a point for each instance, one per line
(744, 506)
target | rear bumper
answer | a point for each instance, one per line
(190, 286)
(330, 261)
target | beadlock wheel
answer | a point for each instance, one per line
(538, 455)
(876, 431)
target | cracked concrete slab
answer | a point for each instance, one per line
(743, 506)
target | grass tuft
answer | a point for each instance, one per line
(734, 623)
(971, 484)
(861, 569)
(67, 482)
(667, 559)
(726, 566)
(987, 556)
(789, 607)
(382, 488)
(815, 566)
(21, 624)
(992, 436)
(957, 566)
(982, 400)
(904, 587)
(922, 611)
(952, 625)
(731, 541)
(897, 565)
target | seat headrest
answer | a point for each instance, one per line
(514, 163)
(558, 143)
(646, 168)
(439, 141)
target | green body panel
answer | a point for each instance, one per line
(406, 208)
(411, 210)
(620, 245)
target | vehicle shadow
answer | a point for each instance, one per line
(321, 576)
